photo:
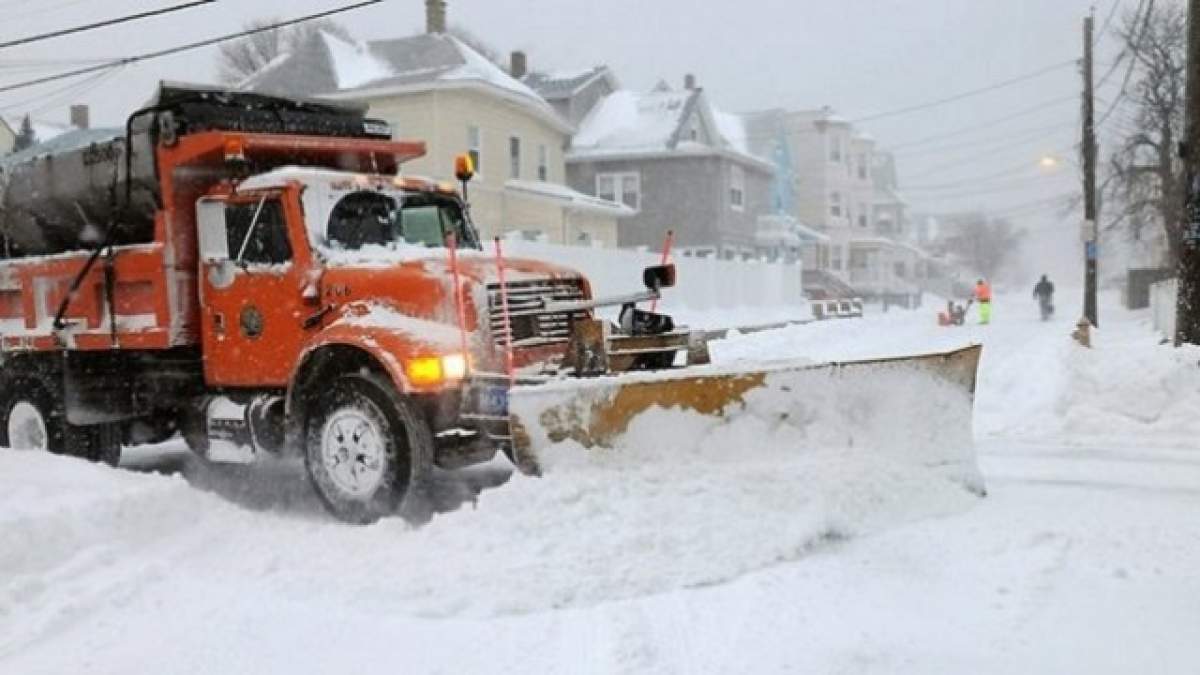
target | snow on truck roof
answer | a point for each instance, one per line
(278, 178)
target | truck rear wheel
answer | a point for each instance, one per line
(368, 450)
(27, 425)
(34, 419)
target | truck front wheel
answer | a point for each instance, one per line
(368, 450)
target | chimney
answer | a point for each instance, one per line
(435, 16)
(518, 65)
(689, 82)
(80, 117)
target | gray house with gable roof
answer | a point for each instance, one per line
(680, 163)
(573, 94)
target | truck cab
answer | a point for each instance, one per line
(308, 275)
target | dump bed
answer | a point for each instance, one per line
(59, 202)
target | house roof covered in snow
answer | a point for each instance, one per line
(73, 139)
(569, 198)
(331, 66)
(627, 123)
(565, 83)
(824, 115)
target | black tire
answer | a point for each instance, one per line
(100, 443)
(361, 421)
(28, 389)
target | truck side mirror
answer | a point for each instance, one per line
(659, 276)
(210, 222)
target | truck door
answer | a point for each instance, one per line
(250, 290)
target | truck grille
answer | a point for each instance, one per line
(530, 326)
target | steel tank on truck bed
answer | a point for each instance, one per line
(64, 194)
(61, 195)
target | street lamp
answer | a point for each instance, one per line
(1053, 162)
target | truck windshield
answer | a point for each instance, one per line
(372, 217)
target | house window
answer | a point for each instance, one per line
(625, 188)
(475, 147)
(835, 148)
(862, 167)
(900, 270)
(862, 215)
(835, 204)
(514, 157)
(737, 188)
(836, 259)
(543, 173)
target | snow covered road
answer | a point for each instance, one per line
(1081, 559)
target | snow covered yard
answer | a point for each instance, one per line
(1081, 559)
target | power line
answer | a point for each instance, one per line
(1132, 58)
(1023, 183)
(105, 24)
(81, 87)
(1002, 140)
(1011, 171)
(966, 94)
(1112, 11)
(187, 47)
(988, 124)
(1021, 208)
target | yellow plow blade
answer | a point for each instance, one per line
(913, 400)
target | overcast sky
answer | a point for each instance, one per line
(862, 57)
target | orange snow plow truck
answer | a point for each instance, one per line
(257, 275)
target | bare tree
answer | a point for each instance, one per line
(26, 136)
(239, 59)
(978, 242)
(1145, 179)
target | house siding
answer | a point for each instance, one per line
(441, 119)
(689, 195)
(7, 139)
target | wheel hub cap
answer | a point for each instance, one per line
(353, 452)
(27, 428)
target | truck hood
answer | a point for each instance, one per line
(423, 287)
(473, 265)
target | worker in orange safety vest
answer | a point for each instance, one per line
(983, 296)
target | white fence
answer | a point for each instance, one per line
(1162, 306)
(701, 283)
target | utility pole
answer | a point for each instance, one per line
(1187, 309)
(1090, 231)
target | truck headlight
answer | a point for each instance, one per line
(454, 366)
(432, 370)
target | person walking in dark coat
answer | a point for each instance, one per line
(1044, 292)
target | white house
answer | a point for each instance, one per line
(435, 88)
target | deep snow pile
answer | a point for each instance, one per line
(1127, 388)
(1035, 381)
(685, 502)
